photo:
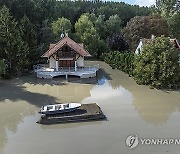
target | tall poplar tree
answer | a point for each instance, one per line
(28, 33)
(12, 47)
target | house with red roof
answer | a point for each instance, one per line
(144, 41)
(66, 57)
(66, 53)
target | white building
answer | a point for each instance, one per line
(144, 41)
(66, 58)
(66, 53)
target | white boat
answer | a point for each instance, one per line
(59, 108)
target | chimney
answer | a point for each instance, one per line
(152, 36)
(62, 35)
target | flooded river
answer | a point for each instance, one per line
(130, 109)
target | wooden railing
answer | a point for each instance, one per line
(45, 68)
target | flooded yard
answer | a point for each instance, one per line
(130, 109)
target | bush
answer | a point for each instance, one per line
(122, 61)
(157, 65)
(116, 42)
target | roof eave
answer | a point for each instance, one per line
(44, 56)
(88, 55)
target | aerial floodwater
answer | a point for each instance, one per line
(130, 109)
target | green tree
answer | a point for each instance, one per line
(2, 67)
(101, 26)
(123, 61)
(92, 40)
(114, 24)
(143, 27)
(116, 42)
(61, 25)
(157, 65)
(88, 34)
(45, 37)
(169, 9)
(166, 7)
(42, 13)
(12, 47)
(174, 22)
(82, 25)
(29, 35)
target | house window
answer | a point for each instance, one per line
(66, 52)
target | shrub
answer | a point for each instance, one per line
(121, 61)
(157, 65)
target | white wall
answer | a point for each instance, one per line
(80, 61)
(139, 47)
(52, 62)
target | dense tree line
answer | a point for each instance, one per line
(27, 27)
(143, 27)
(122, 61)
(156, 65)
(170, 10)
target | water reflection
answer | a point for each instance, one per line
(101, 81)
(66, 93)
(120, 97)
(16, 90)
(154, 106)
(70, 125)
(12, 114)
(22, 97)
(106, 91)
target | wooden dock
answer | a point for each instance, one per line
(86, 112)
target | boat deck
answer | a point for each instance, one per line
(86, 112)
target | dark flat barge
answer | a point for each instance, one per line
(86, 112)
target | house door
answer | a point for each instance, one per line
(67, 63)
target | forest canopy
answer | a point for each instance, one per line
(34, 24)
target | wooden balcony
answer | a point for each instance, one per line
(45, 72)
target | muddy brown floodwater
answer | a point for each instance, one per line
(130, 109)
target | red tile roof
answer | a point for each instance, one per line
(174, 41)
(51, 46)
(145, 41)
(66, 41)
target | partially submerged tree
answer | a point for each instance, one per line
(12, 47)
(157, 65)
